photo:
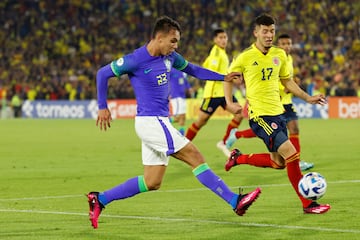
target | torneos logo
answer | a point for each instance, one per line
(54, 109)
(59, 111)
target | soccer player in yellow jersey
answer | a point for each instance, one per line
(284, 42)
(214, 97)
(263, 66)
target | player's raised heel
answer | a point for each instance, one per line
(232, 159)
(231, 139)
(244, 201)
(305, 165)
(95, 208)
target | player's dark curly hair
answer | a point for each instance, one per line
(165, 24)
(264, 19)
(217, 31)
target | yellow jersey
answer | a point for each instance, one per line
(217, 61)
(286, 98)
(262, 74)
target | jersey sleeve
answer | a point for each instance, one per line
(212, 63)
(179, 61)
(236, 65)
(123, 65)
(202, 73)
(284, 69)
(102, 77)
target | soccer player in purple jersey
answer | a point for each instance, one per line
(148, 68)
(179, 86)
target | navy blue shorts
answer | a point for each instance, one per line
(290, 113)
(271, 129)
(209, 105)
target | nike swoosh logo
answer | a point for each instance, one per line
(146, 71)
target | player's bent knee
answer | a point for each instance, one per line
(278, 165)
(153, 186)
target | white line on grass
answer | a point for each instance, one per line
(261, 225)
(168, 191)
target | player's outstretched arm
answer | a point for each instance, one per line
(317, 99)
(298, 92)
(202, 73)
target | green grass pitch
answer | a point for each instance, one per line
(48, 165)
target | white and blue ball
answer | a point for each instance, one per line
(312, 186)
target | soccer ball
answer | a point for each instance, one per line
(312, 186)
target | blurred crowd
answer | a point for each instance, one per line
(52, 49)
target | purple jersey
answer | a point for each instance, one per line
(178, 84)
(149, 76)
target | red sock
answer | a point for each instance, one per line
(294, 139)
(257, 160)
(294, 175)
(232, 124)
(248, 133)
(192, 131)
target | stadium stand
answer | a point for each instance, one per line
(52, 49)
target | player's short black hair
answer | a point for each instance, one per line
(284, 35)
(165, 24)
(217, 31)
(264, 19)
